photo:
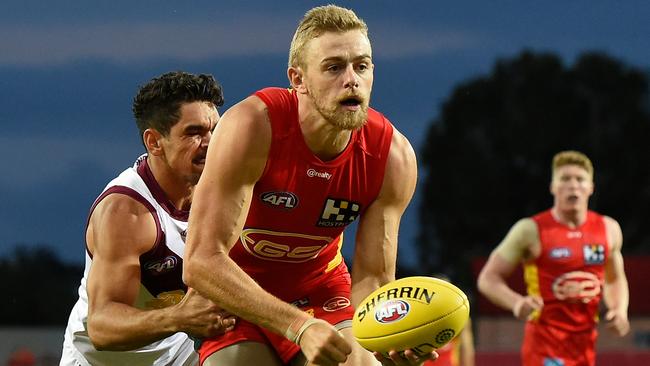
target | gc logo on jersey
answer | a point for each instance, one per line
(338, 213)
(594, 253)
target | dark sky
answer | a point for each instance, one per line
(68, 71)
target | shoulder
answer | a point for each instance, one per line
(614, 233)
(246, 118)
(400, 176)
(401, 152)
(124, 221)
(521, 242)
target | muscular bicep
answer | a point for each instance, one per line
(614, 266)
(236, 160)
(120, 231)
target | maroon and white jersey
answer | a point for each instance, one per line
(161, 280)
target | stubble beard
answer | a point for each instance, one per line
(339, 117)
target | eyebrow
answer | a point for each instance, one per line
(340, 58)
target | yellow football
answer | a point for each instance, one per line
(420, 313)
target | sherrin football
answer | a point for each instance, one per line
(421, 313)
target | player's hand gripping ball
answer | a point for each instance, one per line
(420, 313)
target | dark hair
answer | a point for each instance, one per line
(157, 104)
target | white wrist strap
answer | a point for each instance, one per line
(294, 336)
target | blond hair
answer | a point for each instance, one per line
(572, 157)
(321, 19)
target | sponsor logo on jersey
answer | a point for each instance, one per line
(553, 361)
(574, 234)
(577, 286)
(285, 200)
(281, 246)
(336, 303)
(594, 253)
(162, 265)
(337, 213)
(315, 173)
(558, 253)
(392, 311)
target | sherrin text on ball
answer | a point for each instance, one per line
(420, 313)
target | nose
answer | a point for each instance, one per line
(351, 77)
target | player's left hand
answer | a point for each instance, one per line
(617, 322)
(405, 358)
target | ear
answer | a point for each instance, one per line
(151, 140)
(295, 75)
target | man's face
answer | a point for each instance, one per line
(571, 186)
(338, 77)
(186, 145)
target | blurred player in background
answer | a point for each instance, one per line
(287, 171)
(133, 307)
(459, 351)
(570, 254)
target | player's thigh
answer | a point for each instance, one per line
(244, 353)
(358, 357)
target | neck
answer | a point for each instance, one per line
(323, 138)
(571, 218)
(177, 191)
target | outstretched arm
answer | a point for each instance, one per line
(375, 252)
(376, 242)
(615, 290)
(516, 246)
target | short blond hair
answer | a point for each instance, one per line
(572, 157)
(321, 19)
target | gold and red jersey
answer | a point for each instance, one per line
(569, 272)
(302, 204)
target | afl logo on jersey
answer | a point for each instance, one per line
(285, 200)
(162, 265)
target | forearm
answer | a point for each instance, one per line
(235, 291)
(120, 327)
(616, 295)
(498, 292)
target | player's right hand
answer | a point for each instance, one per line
(526, 305)
(200, 317)
(405, 358)
(323, 345)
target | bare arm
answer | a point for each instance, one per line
(615, 290)
(376, 242)
(120, 230)
(235, 162)
(375, 251)
(518, 244)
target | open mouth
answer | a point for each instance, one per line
(572, 198)
(351, 102)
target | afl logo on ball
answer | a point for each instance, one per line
(392, 311)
